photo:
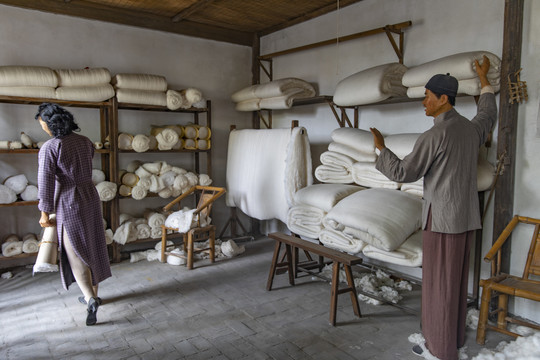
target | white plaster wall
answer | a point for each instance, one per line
(439, 28)
(36, 38)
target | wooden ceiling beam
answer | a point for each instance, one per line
(190, 10)
(308, 16)
(89, 10)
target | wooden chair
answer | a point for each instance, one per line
(504, 285)
(207, 196)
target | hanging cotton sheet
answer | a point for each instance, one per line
(265, 168)
(371, 85)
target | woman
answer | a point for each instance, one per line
(65, 187)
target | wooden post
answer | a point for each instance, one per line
(508, 115)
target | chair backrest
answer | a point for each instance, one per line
(532, 264)
(207, 196)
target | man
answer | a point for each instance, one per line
(446, 157)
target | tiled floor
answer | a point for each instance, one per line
(216, 311)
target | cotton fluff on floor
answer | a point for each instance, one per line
(222, 249)
(525, 347)
(380, 284)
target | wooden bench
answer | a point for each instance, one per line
(292, 244)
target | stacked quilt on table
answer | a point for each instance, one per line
(461, 66)
(277, 94)
(265, 168)
(371, 85)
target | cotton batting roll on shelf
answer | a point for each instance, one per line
(4, 144)
(140, 143)
(106, 190)
(97, 176)
(191, 131)
(166, 139)
(43, 92)
(17, 183)
(139, 192)
(143, 231)
(155, 219)
(30, 193)
(83, 77)
(144, 97)
(140, 82)
(130, 179)
(178, 128)
(204, 133)
(7, 196)
(125, 141)
(12, 248)
(126, 233)
(13, 145)
(204, 180)
(192, 95)
(176, 101)
(190, 144)
(124, 190)
(12, 75)
(95, 93)
(30, 245)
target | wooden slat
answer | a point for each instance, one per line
(508, 118)
(90, 10)
(190, 10)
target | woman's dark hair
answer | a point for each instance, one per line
(59, 120)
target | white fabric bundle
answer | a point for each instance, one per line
(401, 144)
(204, 133)
(137, 256)
(13, 75)
(124, 190)
(127, 232)
(7, 196)
(47, 256)
(30, 193)
(165, 193)
(83, 77)
(12, 248)
(305, 220)
(362, 140)
(324, 196)
(4, 144)
(156, 184)
(203, 144)
(16, 145)
(175, 100)
(192, 95)
(145, 97)
(190, 144)
(97, 176)
(175, 257)
(192, 178)
(168, 178)
(155, 219)
(106, 190)
(230, 249)
(124, 217)
(130, 179)
(85, 93)
(332, 174)
(264, 170)
(143, 231)
(204, 180)
(408, 254)
(43, 92)
(125, 141)
(166, 139)
(17, 183)
(460, 65)
(139, 192)
(380, 217)
(140, 82)
(30, 244)
(181, 220)
(371, 85)
(415, 188)
(352, 152)
(277, 94)
(155, 232)
(144, 183)
(485, 175)
(341, 241)
(191, 131)
(365, 174)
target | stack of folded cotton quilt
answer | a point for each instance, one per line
(371, 85)
(143, 89)
(265, 168)
(312, 203)
(377, 222)
(84, 84)
(461, 66)
(28, 81)
(277, 94)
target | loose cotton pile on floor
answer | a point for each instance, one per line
(380, 284)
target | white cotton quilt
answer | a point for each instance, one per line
(140, 82)
(380, 217)
(460, 65)
(401, 144)
(265, 168)
(358, 139)
(341, 241)
(352, 152)
(83, 77)
(324, 196)
(365, 174)
(146, 97)
(42, 92)
(85, 93)
(276, 88)
(465, 87)
(333, 174)
(371, 85)
(408, 254)
(12, 75)
(305, 220)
